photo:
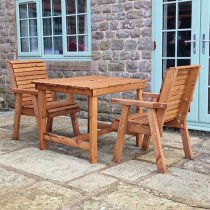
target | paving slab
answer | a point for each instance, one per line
(8, 145)
(200, 163)
(203, 147)
(41, 195)
(106, 146)
(173, 139)
(93, 182)
(128, 197)
(171, 155)
(5, 134)
(182, 185)
(48, 164)
(131, 170)
(10, 181)
(6, 118)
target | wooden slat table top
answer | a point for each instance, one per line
(90, 85)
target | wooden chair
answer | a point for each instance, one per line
(22, 74)
(170, 107)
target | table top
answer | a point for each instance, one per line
(90, 85)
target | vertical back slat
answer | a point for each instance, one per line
(23, 72)
(166, 89)
(182, 92)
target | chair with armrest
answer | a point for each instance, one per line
(22, 74)
(170, 108)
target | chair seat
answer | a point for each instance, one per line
(54, 107)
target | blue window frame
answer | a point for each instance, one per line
(54, 29)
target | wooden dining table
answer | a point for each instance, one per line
(92, 87)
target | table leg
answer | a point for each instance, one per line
(92, 116)
(138, 110)
(42, 118)
(88, 126)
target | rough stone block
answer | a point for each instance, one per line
(116, 66)
(117, 44)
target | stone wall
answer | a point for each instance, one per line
(7, 46)
(121, 47)
(121, 32)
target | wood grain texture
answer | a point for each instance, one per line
(175, 97)
(22, 74)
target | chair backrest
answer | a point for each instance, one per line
(177, 91)
(23, 72)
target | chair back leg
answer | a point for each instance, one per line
(146, 142)
(139, 140)
(49, 124)
(75, 124)
(186, 142)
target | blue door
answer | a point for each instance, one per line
(181, 32)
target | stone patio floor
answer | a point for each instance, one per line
(62, 178)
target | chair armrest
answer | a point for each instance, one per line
(25, 91)
(150, 95)
(145, 104)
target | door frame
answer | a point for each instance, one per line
(204, 117)
(156, 73)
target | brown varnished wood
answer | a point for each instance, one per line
(176, 92)
(91, 86)
(22, 73)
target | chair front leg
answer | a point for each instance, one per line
(155, 134)
(36, 110)
(186, 142)
(121, 134)
(17, 116)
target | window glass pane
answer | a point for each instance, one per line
(82, 43)
(185, 12)
(48, 46)
(183, 62)
(46, 8)
(81, 8)
(23, 11)
(56, 7)
(169, 44)
(24, 45)
(70, 7)
(23, 28)
(32, 10)
(57, 25)
(169, 16)
(183, 49)
(71, 25)
(168, 63)
(34, 44)
(58, 46)
(71, 43)
(47, 28)
(33, 27)
(82, 24)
